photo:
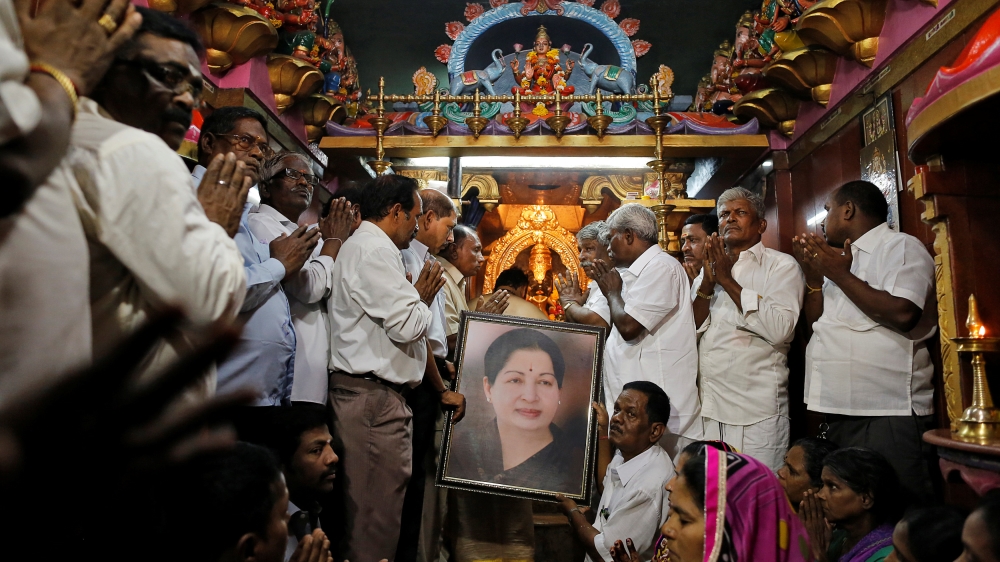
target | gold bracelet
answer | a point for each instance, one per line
(703, 295)
(62, 79)
(811, 290)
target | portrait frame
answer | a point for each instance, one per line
(582, 349)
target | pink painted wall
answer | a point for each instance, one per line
(904, 19)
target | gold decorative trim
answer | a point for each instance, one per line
(947, 316)
(424, 175)
(538, 225)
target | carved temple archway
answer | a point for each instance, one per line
(537, 225)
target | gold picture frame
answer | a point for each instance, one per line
(524, 379)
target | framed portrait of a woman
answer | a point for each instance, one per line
(529, 429)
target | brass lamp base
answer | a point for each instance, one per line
(558, 124)
(476, 124)
(599, 123)
(979, 425)
(435, 123)
(980, 422)
(516, 124)
(380, 166)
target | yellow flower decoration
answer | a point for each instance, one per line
(540, 109)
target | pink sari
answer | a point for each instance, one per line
(747, 515)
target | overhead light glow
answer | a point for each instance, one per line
(816, 219)
(541, 162)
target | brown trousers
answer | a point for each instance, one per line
(371, 433)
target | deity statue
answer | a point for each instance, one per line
(341, 70)
(748, 61)
(746, 47)
(701, 96)
(722, 88)
(542, 72)
(773, 26)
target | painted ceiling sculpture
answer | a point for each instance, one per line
(552, 64)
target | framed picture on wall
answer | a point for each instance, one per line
(879, 163)
(529, 429)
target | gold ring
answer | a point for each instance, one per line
(108, 23)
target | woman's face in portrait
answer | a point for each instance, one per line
(525, 394)
(685, 524)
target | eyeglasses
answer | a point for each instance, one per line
(296, 175)
(245, 142)
(170, 76)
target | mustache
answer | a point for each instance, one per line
(332, 471)
(177, 115)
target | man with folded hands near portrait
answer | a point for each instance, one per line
(653, 332)
(633, 500)
(378, 352)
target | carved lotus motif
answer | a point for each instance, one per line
(630, 26)
(772, 107)
(453, 28)
(424, 82)
(292, 79)
(473, 11)
(804, 70)
(177, 6)
(839, 24)
(233, 35)
(442, 53)
(612, 8)
(641, 47)
(317, 109)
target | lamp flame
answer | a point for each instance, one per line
(973, 323)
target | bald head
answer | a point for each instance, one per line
(438, 220)
(437, 203)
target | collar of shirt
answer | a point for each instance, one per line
(253, 196)
(452, 271)
(869, 240)
(381, 238)
(420, 249)
(643, 260)
(756, 253)
(270, 211)
(630, 468)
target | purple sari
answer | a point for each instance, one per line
(870, 547)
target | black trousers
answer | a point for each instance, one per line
(900, 440)
(425, 402)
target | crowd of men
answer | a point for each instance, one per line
(143, 303)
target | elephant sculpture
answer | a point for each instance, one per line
(472, 80)
(609, 78)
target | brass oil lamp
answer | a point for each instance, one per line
(980, 422)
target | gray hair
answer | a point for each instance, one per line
(640, 220)
(275, 164)
(736, 193)
(591, 231)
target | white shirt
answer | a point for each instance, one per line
(597, 302)
(307, 292)
(413, 260)
(377, 320)
(45, 325)
(44, 267)
(151, 244)
(656, 295)
(20, 110)
(634, 504)
(744, 356)
(454, 292)
(854, 365)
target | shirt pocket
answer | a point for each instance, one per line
(851, 316)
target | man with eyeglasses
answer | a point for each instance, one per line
(152, 245)
(265, 357)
